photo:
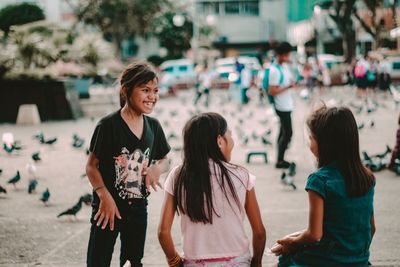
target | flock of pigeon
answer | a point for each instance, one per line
(13, 148)
(253, 132)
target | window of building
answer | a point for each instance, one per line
(232, 8)
(249, 8)
(244, 7)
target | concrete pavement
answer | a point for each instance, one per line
(30, 233)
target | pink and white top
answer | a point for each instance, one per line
(226, 236)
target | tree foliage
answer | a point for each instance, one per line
(120, 19)
(341, 13)
(176, 39)
(19, 14)
(377, 23)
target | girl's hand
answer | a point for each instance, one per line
(152, 176)
(107, 210)
(288, 244)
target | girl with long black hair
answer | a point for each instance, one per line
(341, 195)
(212, 197)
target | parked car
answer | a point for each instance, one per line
(177, 74)
(226, 66)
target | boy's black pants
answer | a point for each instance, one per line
(132, 230)
(285, 133)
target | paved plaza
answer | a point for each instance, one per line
(32, 235)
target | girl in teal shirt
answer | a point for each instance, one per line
(341, 193)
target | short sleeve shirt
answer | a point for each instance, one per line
(346, 225)
(226, 236)
(122, 155)
(284, 100)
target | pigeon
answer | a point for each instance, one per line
(3, 190)
(292, 169)
(254, 135)
(15, 179)
(384, 154)
(36, 157)
(72, 211)
(77, 141)
(16, 145)
(8, 149)
(358, 110)
(83, 175)
(87, 151)
(361, 126)
(172, 136)
(39, 136)
(372, 124)
(32, 186)
(50, 141)
(375, 164)
(287, 180)
(268, 132)
(1, 171)
(87, 198)
(245, 141)
(11, 147)
(265, 141)
(45, 196)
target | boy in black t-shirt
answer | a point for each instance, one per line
(128, 154)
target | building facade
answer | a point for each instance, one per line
(245, 27)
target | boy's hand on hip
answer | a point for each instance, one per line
(107, 210)
(153, 177)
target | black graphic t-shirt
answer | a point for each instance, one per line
(122, 155)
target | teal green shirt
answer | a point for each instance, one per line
(346, 225)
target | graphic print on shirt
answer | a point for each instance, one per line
(129, 167)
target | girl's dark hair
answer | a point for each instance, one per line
(137, 73)
(193, 185)
(336, 133)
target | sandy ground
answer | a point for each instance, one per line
(31, 234)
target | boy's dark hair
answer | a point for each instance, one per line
(336, 133)
(193, 185)
(283, 48)
(135, 74)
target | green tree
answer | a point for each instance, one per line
(120, 19)
(19, 14)
(377, 23)
(176, 39)
(341, 12)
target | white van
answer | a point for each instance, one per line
(177, 74)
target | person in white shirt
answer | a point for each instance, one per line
(280, 86)
(245, 81)
(205, 78)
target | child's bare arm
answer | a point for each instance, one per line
(165, 225)
(107, 209)
(314, 231)
(257, 226)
